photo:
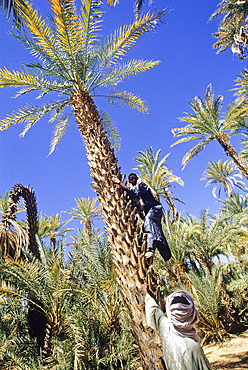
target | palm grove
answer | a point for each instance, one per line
(87, 311)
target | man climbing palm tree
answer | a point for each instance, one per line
(151, 212)
(72, 63)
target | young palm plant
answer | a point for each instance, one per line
(70, 62)
(17, 350)
(214, 238)
(234, 205)
(179, 234)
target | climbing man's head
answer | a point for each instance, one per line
(132, 178)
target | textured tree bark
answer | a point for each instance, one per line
(128, 245)
(224, 141)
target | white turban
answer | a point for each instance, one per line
(182, 316)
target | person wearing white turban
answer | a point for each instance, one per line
(180, 342)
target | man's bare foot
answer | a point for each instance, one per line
(150, 254)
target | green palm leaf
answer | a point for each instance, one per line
(68, 58)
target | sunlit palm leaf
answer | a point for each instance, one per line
(195, 150)
(29, 82)
(41, 33)
(30, 115)
(60, 130)
(117, 44)
(128, 99)
(125, 70)
(68, 28)
(111, 130)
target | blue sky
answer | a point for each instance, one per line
(188, 64)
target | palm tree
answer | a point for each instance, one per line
(155, 173)
(85, 211)
(205, 125)
(224, 174)
(232, 30)
(70, 62)
(52, 227)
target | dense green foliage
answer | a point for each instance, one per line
(78, 295)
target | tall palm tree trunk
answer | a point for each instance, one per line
(124, 233)
(224, 141)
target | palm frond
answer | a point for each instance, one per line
(118, 43)
(124, 70)
(30, 115)
(30, 82)
(195, 150)
(126, 98)
(111, 130)
(41, 34)
(60, 130)
(68, 30)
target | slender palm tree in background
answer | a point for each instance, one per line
(86, 211)
(205, 126)
(156, 175)
(52, 227)
(232, 30)
(223, 174)
(70, 62)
